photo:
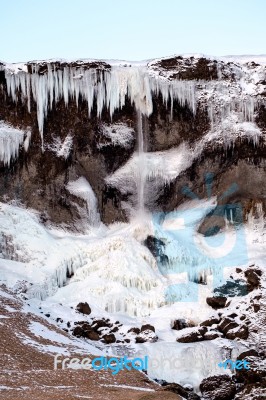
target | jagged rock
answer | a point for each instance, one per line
(115, 329)
(134, 330)
(59, 320)
(109, 338)
(240, 332)
(181, 323)
(147, 327)
(210, 321)
(218, 387)
(226, 324)
(83, 308)
(256, 307)
(216, 301)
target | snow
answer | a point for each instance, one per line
(10, 141)
(61, 148)
(119, 134)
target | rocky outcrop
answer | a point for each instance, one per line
(218, 387)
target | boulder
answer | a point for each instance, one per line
(240, 332)
(210, 321)
(101, 323)
(216, 301)
(147, 327)
(83, 308)
(134, 330)
(211, 335)
(176, 388)
(92, 335)
(218, 387)
(194, 336)
(226, 324)
(253, 278)
(77, 331)
(109, 338)
(181, 323)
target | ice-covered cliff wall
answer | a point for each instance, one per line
(215, 108)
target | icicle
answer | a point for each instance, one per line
(108, 88)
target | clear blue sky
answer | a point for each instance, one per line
(130, 29)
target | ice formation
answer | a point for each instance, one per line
(81, 188)
(109, 88)
(10, 141)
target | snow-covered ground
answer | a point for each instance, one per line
(120, 279)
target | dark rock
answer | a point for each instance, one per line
(77, 331)
(253, 278)
(59, 320)
(256, 372)
(226, 324)
(109, 338)
(238, 270)
(140, 339)
(134, 330)
(216, 301)
(147, 327)
(176, 388)
(100, 323)
(68, 324)
(241, 333)
(248, 353)
(83, 308)
(193, 396)
(115, 329)
(92, 335)
(256, 307)
(211, 335)
(127, 340)
(47, 315)
(179, 324)
(210, 321)
(194, 336)
(218, 387)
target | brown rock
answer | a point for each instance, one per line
(92, 335)
(134, 330)
(216, 301)
(241, 333)
(77, 331)
(147, 327)
(218, 387)
(253, 278)
(226, 324)
(109, 338)
(211, 335)
(210, 321)
(190, 337)
(83, 308)
(181, 323)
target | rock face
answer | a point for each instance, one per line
(71, 131)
